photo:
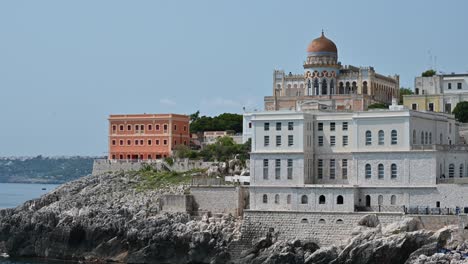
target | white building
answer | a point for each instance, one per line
(383, 160)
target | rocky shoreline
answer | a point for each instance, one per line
(110, 218)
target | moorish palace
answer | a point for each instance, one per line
(309, 155)
(326, 81)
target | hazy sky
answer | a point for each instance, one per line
(66, 65)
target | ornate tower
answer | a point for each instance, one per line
(321, 68)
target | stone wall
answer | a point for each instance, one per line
(219, 199)
(177, 203)
(105, 165)
(325, 228)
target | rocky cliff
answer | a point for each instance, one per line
(116, 217)
(111, 217)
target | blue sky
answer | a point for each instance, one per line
(66, 65)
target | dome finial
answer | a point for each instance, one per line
(323, 35)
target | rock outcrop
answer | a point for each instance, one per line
(109, 218)
(401, 242)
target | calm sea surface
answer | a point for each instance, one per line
(14, 194)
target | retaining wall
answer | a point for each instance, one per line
(219, 199)
(324, 228)
(177, 203)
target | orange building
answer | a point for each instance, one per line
(146, 136)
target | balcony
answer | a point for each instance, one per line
(463, 180)
(438, 147)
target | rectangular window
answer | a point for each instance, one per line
(430, 107)
(129, 142)
(290, 140)
(277, 169)
(185, 128)
(165, 128)
(332, 169)
(265, 169)
(136, 142)
(459, 86)
(113, 142)
(332, 126)
(141, 142)
(165, 142)
(121, 127)
(250, 125)
(175, 127)
(290, 125)
(320, 126)
(149, 142)
(345, 126)
(121, 142)
(266, 141)
(114, 128)
(448, 108)
(290, 169)
(278, 141)
(266, 126)
(332, 141)
(278, 126)
(449, 86)
(157, 127)
(157, 141)
(345, 141)
(320, 141)
(344, 168)
(150, 127)
(129, 127)
(414, 106)
(320, 169)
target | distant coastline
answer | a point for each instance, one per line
(44, 170)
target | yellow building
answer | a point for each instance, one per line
(428, 102)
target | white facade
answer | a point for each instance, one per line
(375, 160)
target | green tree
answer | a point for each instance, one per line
(461, 112)
(429, 73)
(405, 91)
(223, 122)
(378, 106)
(225, 149)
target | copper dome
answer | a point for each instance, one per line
(322, 44)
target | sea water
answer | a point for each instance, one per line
(14, 194)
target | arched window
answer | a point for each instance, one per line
(430, 138)
(348, 88)
(394, 137)
(381, 137)
(288, 199)
(265, 198)
(309, 87)
(368, 171)
(422, 138)
(316, 86)
(440, 141)
(341, 88)
(354, 87)
(368, 137)
(332, 87)
(381, 171)
(304, 221)
(461, 170)
(393, 200)
(414, 137)
(304, 199)
(321, 221)
(339, 221)
(339, 199)
(451, 170)
(364, 87)
(277, 199)
(324, 86)
(426, 141)
(322, 199)
(380, 199)
(394, 171)
(368, 201)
